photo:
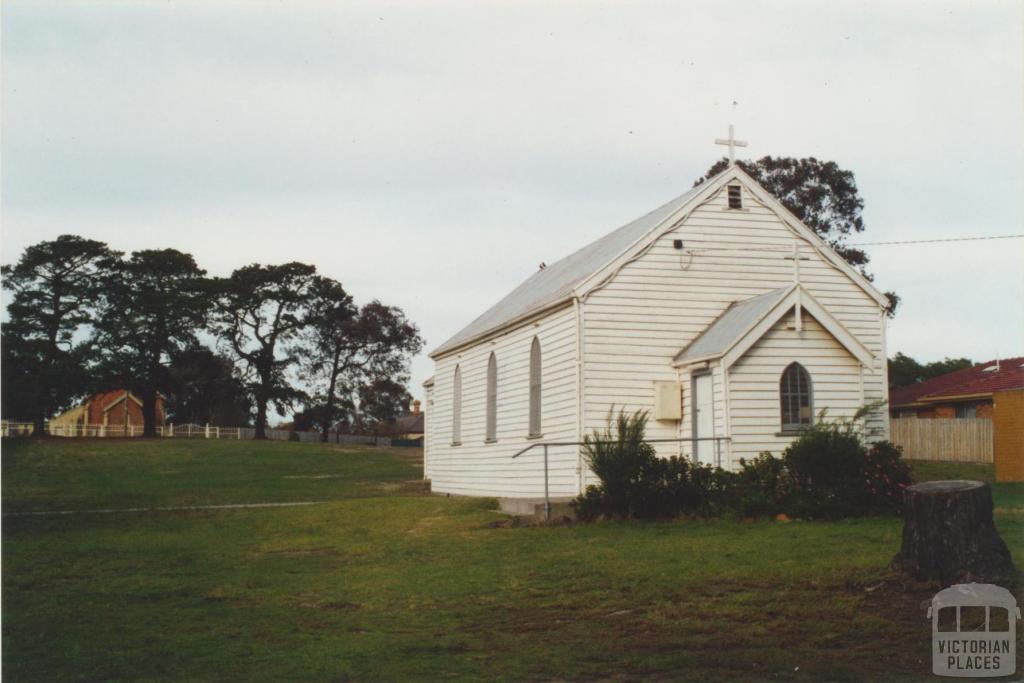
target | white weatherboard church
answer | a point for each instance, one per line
(720, 313)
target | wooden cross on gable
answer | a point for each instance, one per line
(797, 258)
(733, 144)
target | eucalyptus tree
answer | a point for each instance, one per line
(54, 287)
(260, 312)
(153, 305)
(205, 389)
(346, 348)
(382, 399)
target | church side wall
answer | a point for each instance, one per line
(657, 304)
(428, 428)
(487, 469)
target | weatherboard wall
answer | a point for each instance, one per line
(754, 383)
(657, 304)
(428, 428)
(476, 467)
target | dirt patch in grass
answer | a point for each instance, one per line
(313, 476)
(870, 627)
(326, 605)
(516, 522)
(301, 551)
(413, 486)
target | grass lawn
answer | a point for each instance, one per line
(385, 582)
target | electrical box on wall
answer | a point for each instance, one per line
(668, 402)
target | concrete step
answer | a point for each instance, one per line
(534, 507)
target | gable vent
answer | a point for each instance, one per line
(735, 197)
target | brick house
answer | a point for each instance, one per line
(966, 393)
(116, 410)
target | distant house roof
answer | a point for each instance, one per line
(556, 282)
(111, 398)
(105, 400)
(720, 335)
(409, 424)
(981, 380)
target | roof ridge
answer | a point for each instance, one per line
(975, 379)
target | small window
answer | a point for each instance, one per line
(795, 398)
(966, 410)
(492, 398)
(735, 197)
(457, 407)
(535, 367)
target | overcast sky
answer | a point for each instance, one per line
(432, 154)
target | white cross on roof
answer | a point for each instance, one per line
(733, 144)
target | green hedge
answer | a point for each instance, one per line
(828, 472)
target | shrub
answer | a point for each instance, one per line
(833, 474)
(760, 487)
(621, 460)
(886, 474)
(591, 505)
(826, 466)
(635, 482)
(826, 473)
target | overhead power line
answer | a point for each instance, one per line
(697, 250)
(946, 239)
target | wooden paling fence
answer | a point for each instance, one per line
(947, 440)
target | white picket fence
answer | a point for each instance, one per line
(16, 428)
(185, 431)
(943, 439)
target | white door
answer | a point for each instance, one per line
(703, 419)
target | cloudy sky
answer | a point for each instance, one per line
(432, 154)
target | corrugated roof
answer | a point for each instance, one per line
(980, 379)
(720, 335)
(556, 282)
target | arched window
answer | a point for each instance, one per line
(457, 407)
(795, 398)
(492, 398)
(535, 388)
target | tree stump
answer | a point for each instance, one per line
(949, 534)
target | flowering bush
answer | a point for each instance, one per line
(835, 474)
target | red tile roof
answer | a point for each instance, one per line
(105, 399)
(981, 379)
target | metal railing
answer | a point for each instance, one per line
(545, 445)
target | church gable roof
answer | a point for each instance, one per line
(746, 321)
(720, 335)
(589, 267)
(556, 282)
